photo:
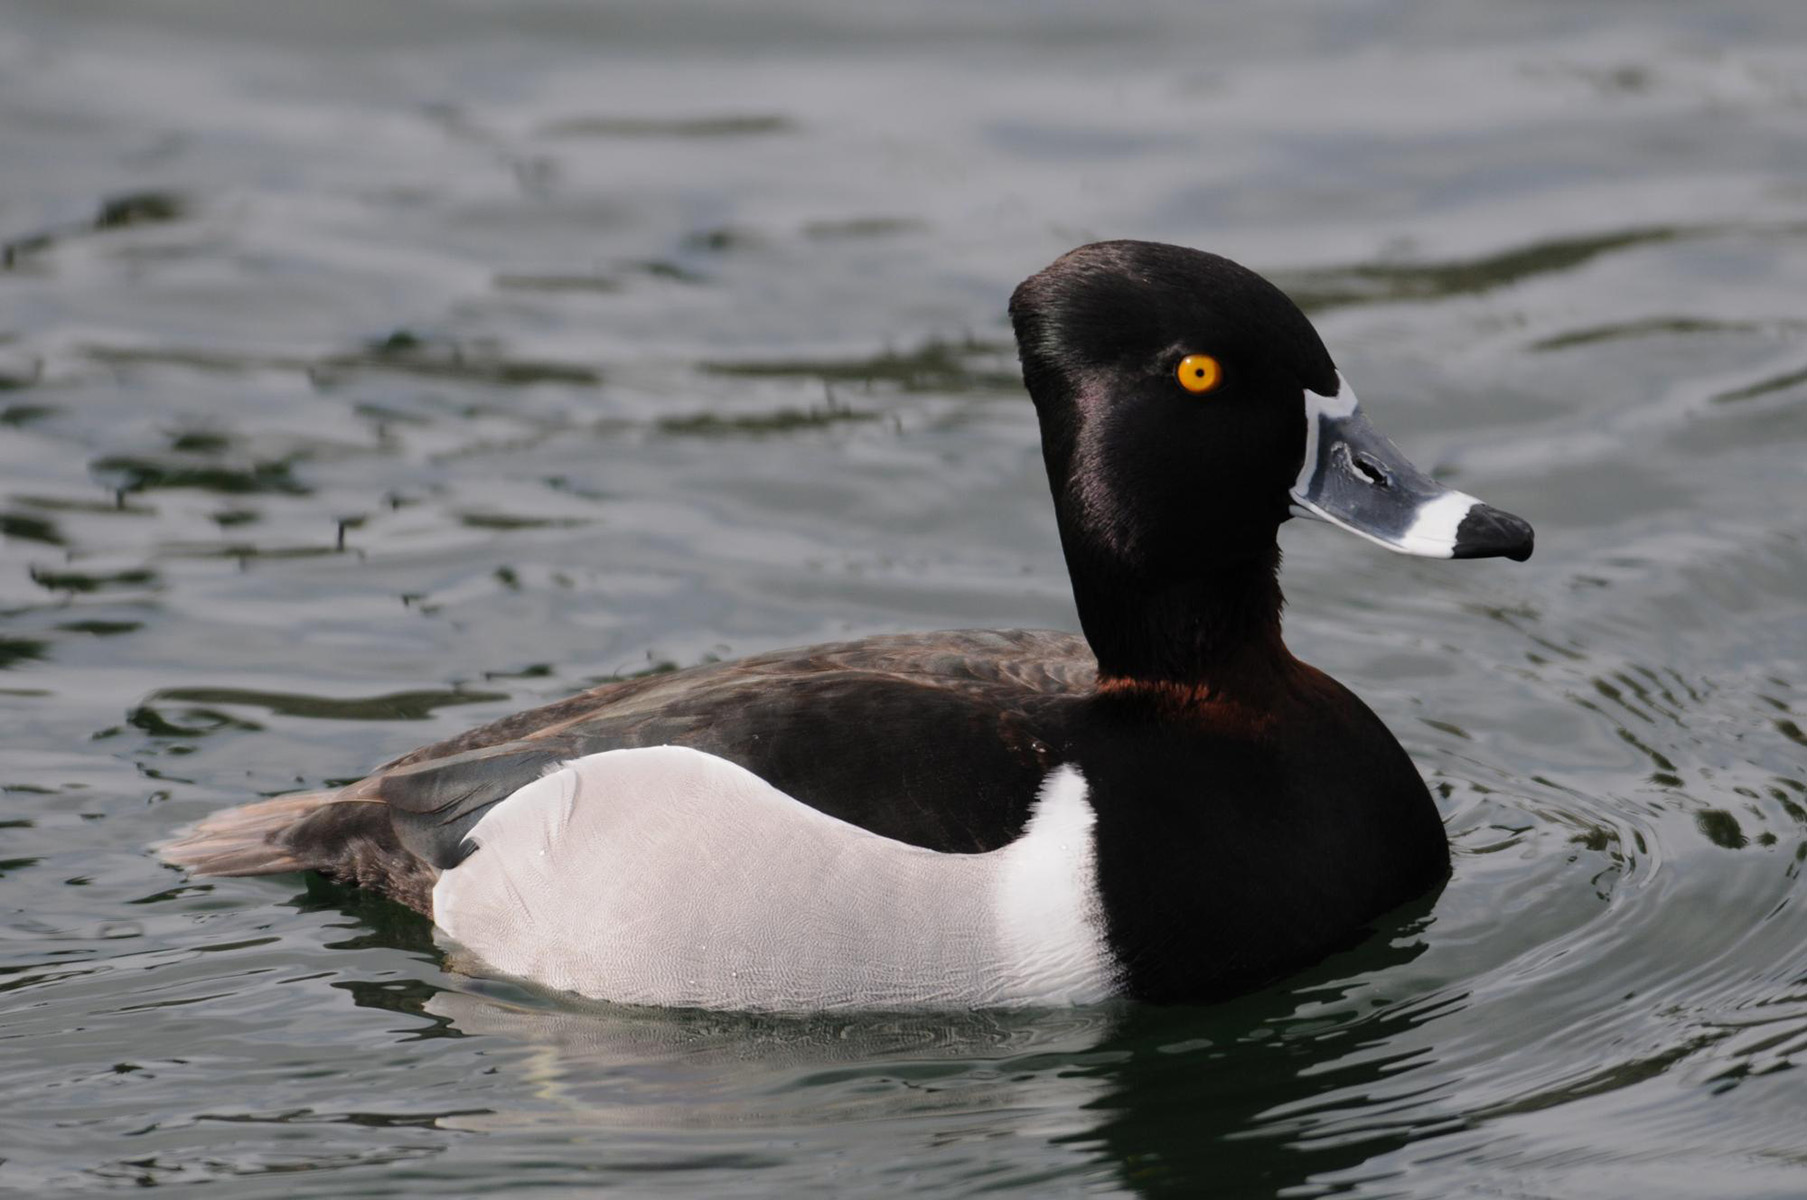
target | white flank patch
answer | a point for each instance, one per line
(1050, 916)
(672, 877)
(1433, 530)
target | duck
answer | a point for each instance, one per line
(1167, 807)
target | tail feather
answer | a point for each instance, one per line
(247, 840)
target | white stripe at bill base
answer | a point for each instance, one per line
(1432, 533)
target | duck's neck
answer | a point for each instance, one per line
(1206, 638)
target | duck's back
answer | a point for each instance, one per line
(938, 741)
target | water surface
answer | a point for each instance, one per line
(371, 371)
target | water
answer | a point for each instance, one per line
(374, 370)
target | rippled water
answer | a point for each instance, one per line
(373, 370)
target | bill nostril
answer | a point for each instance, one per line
(1359, 462)
(1372, 471)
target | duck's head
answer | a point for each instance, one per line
(1188, 408)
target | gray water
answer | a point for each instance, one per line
(374, 370)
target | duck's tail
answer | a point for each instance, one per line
(247, 840)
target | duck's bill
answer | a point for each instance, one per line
(1353, 477)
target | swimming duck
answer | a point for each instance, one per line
(1172, 808)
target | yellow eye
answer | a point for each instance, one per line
(1199, 373)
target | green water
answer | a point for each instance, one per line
(368, 371)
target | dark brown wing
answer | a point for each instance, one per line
(939, 740)
(989, 666)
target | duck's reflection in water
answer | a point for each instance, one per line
(1263, 1093)
(913, 1098)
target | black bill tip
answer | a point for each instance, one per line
(1486, 532)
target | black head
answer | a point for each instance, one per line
(1156, 479)
(1188, 408)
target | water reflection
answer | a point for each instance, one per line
(934, 366)
(401, 352)
(1256, 1096)
(391, 706)
(115, 212)
(1375, 283)
(17, 651)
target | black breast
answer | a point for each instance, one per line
(1229, 857)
